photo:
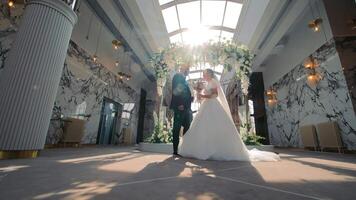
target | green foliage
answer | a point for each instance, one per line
(252, 139)
(160, 135)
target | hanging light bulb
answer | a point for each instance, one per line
(116, 44)
(315, 24)
(11, 3)
(271, 97)
(313, 78)
(116, 63)
(95, 58)
(311, 63)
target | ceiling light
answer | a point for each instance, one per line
(95, 58)
(11, 4)
(313, 79)
(116, 63)
(116, 44)
(315, 24)
(123, 75)
(311, 63)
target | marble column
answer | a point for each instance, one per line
(32, 73)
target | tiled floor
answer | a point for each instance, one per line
(124, 173)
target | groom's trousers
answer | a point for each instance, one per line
(181, 118)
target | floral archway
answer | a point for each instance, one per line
(227, 54)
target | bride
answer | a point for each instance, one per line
(212, 134)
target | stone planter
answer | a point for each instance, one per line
(262, 147)
(167, 148)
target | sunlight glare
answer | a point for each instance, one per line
(196, 36)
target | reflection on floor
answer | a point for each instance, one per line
(125, 173)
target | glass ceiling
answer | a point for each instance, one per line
(194, 22)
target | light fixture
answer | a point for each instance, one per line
(313, 78)
(271, 97)
(116, 63)
(11, 3)
(315, 24)
(311, 63)
(123, 76)
(95, 57)
(116, 44)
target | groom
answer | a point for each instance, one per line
(181, 105)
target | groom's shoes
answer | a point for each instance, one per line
(176, 155)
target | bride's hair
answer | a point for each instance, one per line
(211, 73)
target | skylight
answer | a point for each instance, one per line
(170, 18)
(232, 14)
(161, 2)
(212, 12)
(198, 21)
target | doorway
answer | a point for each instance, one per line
(110, 121)
(141, 116)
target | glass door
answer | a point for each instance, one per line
(109, 121)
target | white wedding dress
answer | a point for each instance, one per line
(213, 135)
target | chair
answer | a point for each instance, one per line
(329, 136)
(309, 136)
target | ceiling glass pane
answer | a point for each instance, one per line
(176, 38)
(189, 14)
(161, 2)
(170, 19)
(212, 12)
(232, 14)
(225, 35)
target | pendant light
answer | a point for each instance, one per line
(95, 57)
(315, 23)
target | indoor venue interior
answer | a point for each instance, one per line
(178, 99)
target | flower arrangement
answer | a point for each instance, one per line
(160, 135)
(198, 86)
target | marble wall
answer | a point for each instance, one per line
(85, 81)
(300, 104)
(82, 81)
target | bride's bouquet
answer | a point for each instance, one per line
(198, 87)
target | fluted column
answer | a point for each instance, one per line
(32, 73)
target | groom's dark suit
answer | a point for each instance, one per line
(181, 105)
